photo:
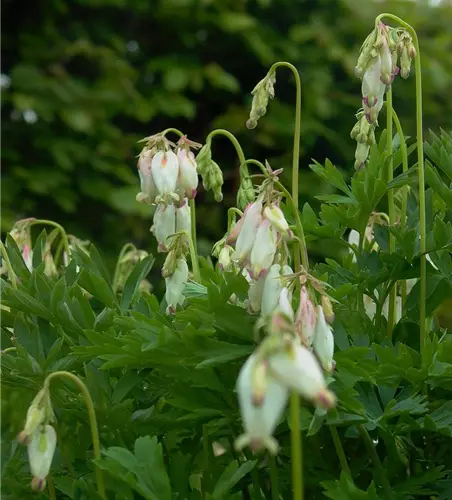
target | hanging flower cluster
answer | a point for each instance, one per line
(169, 179)
(291, 357)
(40, 438)
(298, 345)
(377, 68)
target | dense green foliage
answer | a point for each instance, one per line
(88, 78)
(163, 387)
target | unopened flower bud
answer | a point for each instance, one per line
(187, 181)
(203, 158)
(233, 234)
(245, 193)
(328, 309)
(261, 93)
(40, 454)
(224, 259)
(175, 286)
(306, 318)
(276, 217)
(148, 187)
(169, 266)
(361, 154)
(38, 412)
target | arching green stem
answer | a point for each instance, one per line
(9, 267)
(233, 139)
(231, 212)
(244, 169)
(391, 208)
(60, 228)
(8, 350)
(420, 152)
(296, 139)
(124, 250)
(172, 130)
(92, 420)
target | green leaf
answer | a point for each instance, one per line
(139, 272)
(97, 287)
(345, 489)
(231, 476)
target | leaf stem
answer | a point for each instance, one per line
(172, 130)
(376, 461)
(92, 420)
(391, 207)
(193, 257)
(421, 173)
(296, 447)
(339, 450)
(273, 477)
(9, 267)
(404, 153)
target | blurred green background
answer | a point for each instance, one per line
(82, 81)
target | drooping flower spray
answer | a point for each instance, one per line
(377, 66)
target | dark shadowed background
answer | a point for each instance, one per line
(83, 81)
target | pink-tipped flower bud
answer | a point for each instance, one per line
(247, 236)
(305, 318)
(148, 189)
(187, 181)
(175, 286)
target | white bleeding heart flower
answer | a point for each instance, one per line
(305, 319)
(285, 304)
(251, 221)
(272, 290)
(164, 225)
(148, 188)
(187, 181)
(371, 83)
(165, 171)
(255, 294)
(259, 421)
(175, 285)
(264, 249)
(183, 218)
(298, 369)
(40, 454)
(324, 341)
